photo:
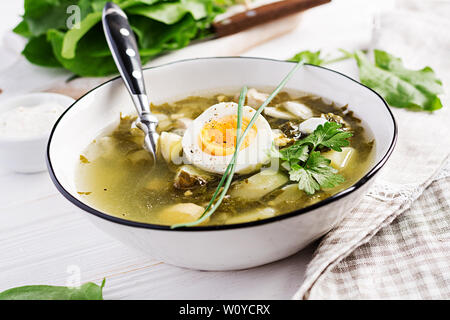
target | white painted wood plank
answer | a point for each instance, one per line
(278, 280)
(42, 235)
(41, 238)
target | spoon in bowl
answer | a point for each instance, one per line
(123, 46)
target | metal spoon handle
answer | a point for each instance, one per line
(124, 49)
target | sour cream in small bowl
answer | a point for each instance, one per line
(25, 124)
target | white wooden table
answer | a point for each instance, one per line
(45, 240)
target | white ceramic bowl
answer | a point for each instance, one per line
(27, 155)
(227, 247)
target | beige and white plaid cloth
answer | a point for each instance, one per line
(406, 259)
(396, 243)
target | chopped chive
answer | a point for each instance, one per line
(229, 172)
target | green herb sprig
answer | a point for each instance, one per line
(307, 166)
(317, 58)
(229, 172)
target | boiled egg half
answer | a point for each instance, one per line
(210, 140)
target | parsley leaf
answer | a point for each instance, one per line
(328, 135)
(305, 180)
(322, 172)
(296, 152)
(306, 166)
(316, 174)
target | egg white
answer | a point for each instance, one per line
(249, 159)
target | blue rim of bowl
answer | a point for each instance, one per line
(368, 176)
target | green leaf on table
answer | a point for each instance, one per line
(74, 35)
(154, 37)
(400, 87)
(160, 26)
(311, 57)
(39, 51)
(172, 12)
(96, 5)
(88, 291)
(42, 15)
(92, 55)
(317, 58)
(23, 29)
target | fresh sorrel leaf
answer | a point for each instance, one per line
(400, 87)
(311, 57)
(97, 66)
(39, 51)
(160, 26)
(22, 29)
(172, 12)
(88, 291)
(42, 15)
(72, 36)
(317, 58)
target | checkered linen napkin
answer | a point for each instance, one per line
(396, 242)
(406, 259)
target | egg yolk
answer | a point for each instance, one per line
(218, 137)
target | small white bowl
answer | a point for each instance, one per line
(27, 155)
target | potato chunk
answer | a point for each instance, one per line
(279, 114)
(288, 194)
(298, 109)
(255, 98)
(258, 185)
(253, 215)
(339, 160)
(181, 213)
(170, 145)
(140, 156)
(101, 148)
(308, 126)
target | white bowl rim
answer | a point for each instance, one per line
(37, 95)
(368, 176)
